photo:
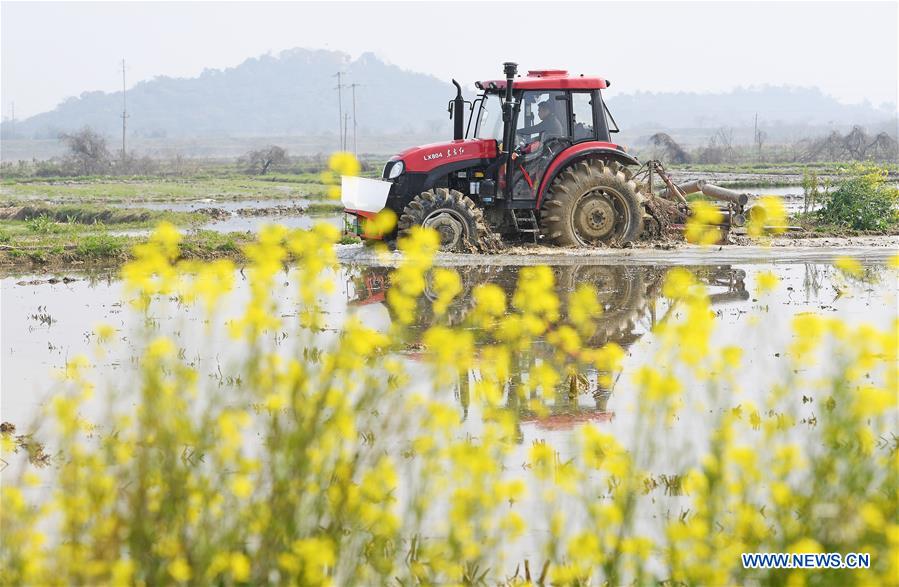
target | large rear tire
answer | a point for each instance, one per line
(592, 203)
(454, 216)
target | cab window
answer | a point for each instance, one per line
(489, 124)
(543, 115)
(582, 116)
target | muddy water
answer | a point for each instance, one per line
(236, 223)
(254, 223)
(240, 222)
(792, 196)
(44, 325)
(227, 205)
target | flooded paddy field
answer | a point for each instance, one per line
(57, 319)
(47, 322)
(162, 190)
(252, 223)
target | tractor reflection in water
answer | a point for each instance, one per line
(629, 296)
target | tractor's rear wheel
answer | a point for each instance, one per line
(454, 216)
(592, 203)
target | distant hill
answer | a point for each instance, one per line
(293, 94)
(774, 105)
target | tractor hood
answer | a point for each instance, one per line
(425, 158)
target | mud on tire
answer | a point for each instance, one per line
(592, 203)
(454, 216)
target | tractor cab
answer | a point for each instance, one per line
(511, 169)
(555, 112)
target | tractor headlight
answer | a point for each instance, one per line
(394, 170)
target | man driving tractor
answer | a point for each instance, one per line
(532, 152)
(549, 125)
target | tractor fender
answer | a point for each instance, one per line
(606, 151)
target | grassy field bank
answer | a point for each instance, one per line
(48, 222)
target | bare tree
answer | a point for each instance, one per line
(884, 147)
(673, 152)
(759, 139)
(724, 138)
(856, 145)
(87, 151)
(856, 142)
(720, 147)
(833, 146)
(261, 160)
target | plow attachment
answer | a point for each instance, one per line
(669, 208)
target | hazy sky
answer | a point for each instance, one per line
(849, 49)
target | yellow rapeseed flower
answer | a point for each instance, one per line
(849, 266)
(490, 299)
(702, 224)
(179, 570)
(104, 332)
(381, 224)
(678, 282)
(344, 163)
(541, 457)
(768, 216)
(446, 285)
(766, 281)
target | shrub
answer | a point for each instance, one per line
(864, 201)
(42, 224)
(100, 245)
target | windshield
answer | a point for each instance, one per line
(490, 118)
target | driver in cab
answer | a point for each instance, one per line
(549, 125)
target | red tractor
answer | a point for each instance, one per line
(535, 159)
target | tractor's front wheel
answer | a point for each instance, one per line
(454, 216)
(593, 204)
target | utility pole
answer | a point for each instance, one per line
(755, 130)
(346, 129)
(353, 86)
(124, 113)
(341, 134)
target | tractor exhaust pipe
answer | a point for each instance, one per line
(510, 69)
(458, 114)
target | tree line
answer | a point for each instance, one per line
(87, 153)
(855, 145)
